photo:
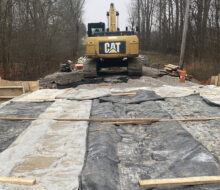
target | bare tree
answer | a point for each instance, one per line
(35, 35)
(162, 24)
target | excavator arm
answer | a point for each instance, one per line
(112, 16)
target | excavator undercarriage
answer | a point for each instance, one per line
(92, 66)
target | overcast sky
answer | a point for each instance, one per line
(95, 11)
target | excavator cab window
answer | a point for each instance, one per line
(94, 28)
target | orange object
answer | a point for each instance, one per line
(182, 76)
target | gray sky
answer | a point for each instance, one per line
(95, 11)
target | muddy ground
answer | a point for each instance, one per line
(111, 77)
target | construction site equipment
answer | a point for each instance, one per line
(12, 89)
(179, 181)
(111, 47)
(18, 180)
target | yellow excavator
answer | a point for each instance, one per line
(110, 47)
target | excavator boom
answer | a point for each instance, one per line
(112, 18)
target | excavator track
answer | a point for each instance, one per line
(135, 67)
(90, 68)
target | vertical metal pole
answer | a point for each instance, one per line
(139, 18)
(185, 30)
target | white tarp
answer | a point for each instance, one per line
(210, 92)
(85, 94)
(41, 95)
(50, 151)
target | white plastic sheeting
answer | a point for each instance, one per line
(50, 151)
(41, 95)
(85, 94)
(211, 93)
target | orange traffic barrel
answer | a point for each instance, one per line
(182, 76)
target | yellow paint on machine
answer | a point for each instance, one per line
(132, 46)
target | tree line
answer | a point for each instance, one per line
(36, 34)
(161, 25)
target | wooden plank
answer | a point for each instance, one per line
(11, 87)
(36, 100)
(125, 94)
(168, 69)
(115, 120)
(18, 180)
(212, 80)
(26, 87)
(218, 83)
(7, 97)
(179, 181)
(10, 83)
(34, 85)
(174, 67)
(216, 80)
(11, 91)
(129, 122)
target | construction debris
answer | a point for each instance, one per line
(179, 181)
(172, 70)
(18, 180)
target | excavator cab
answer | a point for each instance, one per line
(111, 47)
(95, 28)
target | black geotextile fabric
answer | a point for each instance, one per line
(10, 130)
(118, 156)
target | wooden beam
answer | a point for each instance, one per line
(179, 181)
(11, 90)
(218, 82)
(125, 94)
(33, 85)
(173, 67)
(116, 121)
(11, 87)
(7, 97)
(213, 80)
(18, 180)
